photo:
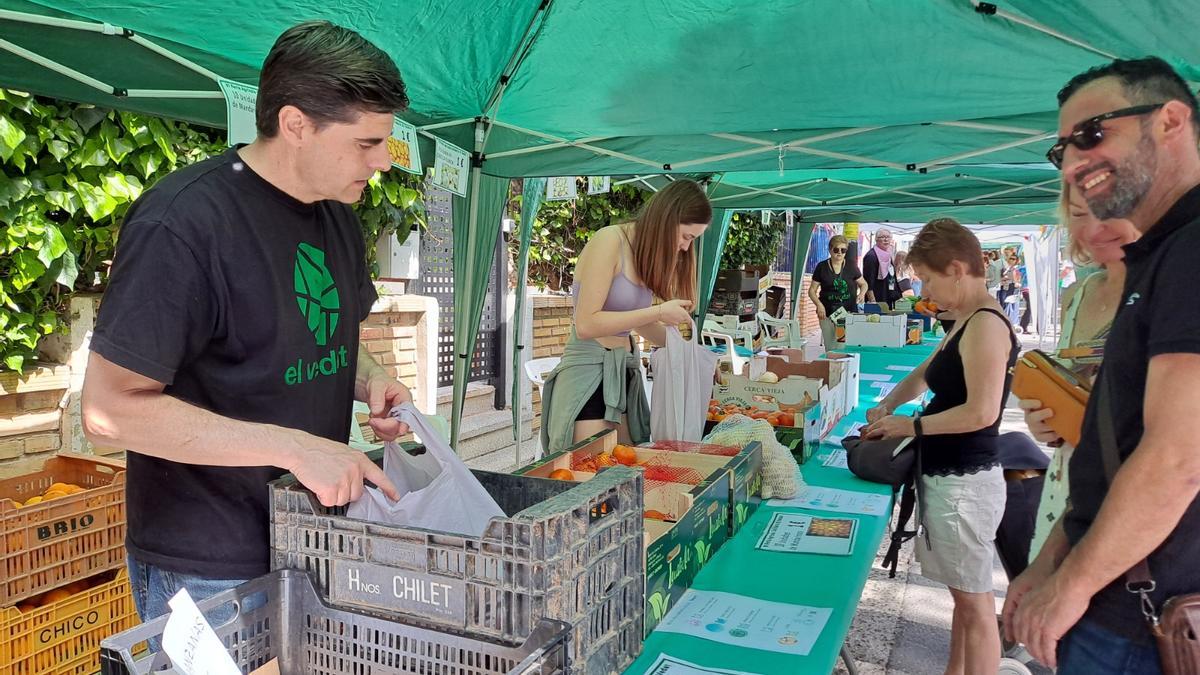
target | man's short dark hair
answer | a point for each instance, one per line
(1143, 81)
(331, 73)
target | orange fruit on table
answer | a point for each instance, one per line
(562, 474)
(625, 455)
(787, 419)
(654, 515)
(54, 596)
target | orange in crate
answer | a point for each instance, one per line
(63, 636)
(55, 541)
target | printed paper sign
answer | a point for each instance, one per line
(239, 111)
(747, 622)
(836, 459)
(841, 501)
(451, 167)
(669, 665)
(191, 643)
(598, 185)
(800, 533)
(561, 189)
(403, 148)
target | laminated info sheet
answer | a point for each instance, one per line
(747, 622)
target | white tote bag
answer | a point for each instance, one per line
(437, 490)
(683, 383)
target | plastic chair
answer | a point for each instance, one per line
(724, 345)
(536, 369)
(729, 325)
(781, 332)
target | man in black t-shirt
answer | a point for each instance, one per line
(1128, 142)
(226, 350)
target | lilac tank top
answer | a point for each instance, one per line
(623, 295)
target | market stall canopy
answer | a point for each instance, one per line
(624, 87)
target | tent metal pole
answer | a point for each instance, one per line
(768, 146)
(880, 191)
(869, 161)
(987, 151)
(580, 144)
(749, 191)
(989, 127)
(1029, 23)
(548, 146)
(55, 22)
(899, 191)
(997, 181)
(57, 67)
(1007, 191)
(172, 93)
(462, 353)
(451, 123)
(168, 54)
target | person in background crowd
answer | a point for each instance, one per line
(836, 282)
(904, 275)
(879, 271)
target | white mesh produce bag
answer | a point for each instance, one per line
(781, 474)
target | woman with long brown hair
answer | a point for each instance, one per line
(620, 272)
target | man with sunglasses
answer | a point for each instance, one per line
(1128, 143)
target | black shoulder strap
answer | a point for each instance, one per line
(908, 501)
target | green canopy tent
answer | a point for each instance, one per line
(918, 89)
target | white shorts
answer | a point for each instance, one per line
(961, 517)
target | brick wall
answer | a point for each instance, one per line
(808, 317)
(31, 417)
(552, 319)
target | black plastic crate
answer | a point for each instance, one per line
(565, 551)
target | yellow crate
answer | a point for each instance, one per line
(73, 537)
(63, 637)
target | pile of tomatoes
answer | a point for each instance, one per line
(776, 418)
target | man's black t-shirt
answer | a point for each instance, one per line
(246, 302)
(1159, 314)
(837, 289)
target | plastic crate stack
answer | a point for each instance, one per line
(565, 552)
(63, 584)
(279, 617)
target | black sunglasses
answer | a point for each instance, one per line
(839, 250)
(1089, 133)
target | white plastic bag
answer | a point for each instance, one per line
(683, 382)
(437, 490)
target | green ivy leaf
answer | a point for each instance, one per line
(163, 138)
(147, 162)
(115, 143)
(11, 136)
(96, 202)
(65, 270)
(53, 245)
(58, 149)
(47, 322)
(27, 269)
(87, 117)
(14, 362)
(92, 154)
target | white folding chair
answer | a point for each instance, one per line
(781, 332)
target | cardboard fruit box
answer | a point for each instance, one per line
(745, 466)
(878, 330)
(799, 385)
(690, 515)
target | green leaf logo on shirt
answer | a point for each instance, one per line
(316, 294)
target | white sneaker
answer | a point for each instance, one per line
(1013, 667)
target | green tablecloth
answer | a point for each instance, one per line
(814, 580)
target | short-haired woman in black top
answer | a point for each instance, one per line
(963, 489)
(836, 282)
